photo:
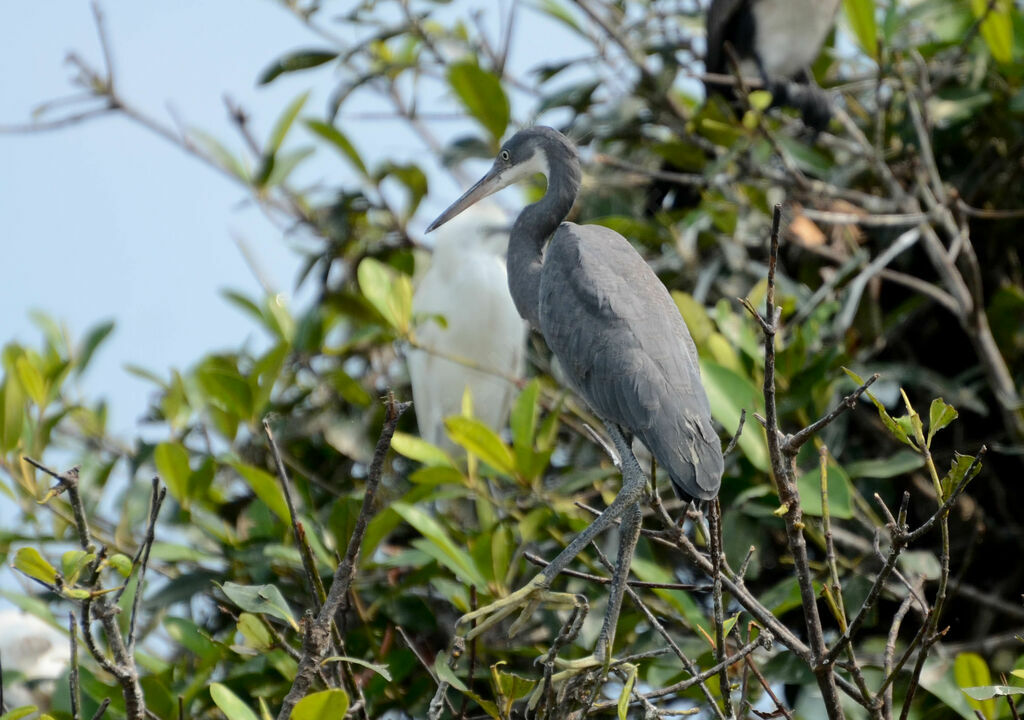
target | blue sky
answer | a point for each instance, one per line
(106, 220)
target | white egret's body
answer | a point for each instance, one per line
(38, 652)
(482, 346)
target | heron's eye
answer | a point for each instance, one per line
(505, 155)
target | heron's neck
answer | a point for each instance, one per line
(531, 230)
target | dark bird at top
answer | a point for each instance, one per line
(775, 40)
(622, 344)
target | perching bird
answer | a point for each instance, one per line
(622, 344)
(35, 651)
(775, 40)
(481, 344)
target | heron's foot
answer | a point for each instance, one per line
(585, 672)
(526, 600)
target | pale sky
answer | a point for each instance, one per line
(105, 220)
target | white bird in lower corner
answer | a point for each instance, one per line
(35, 653)
(481, 345)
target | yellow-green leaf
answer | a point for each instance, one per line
(31, 380)
(29, 561)
(420, 450)
(861, 16)
(323, 705)
(389, 291)
(627, 689)
(970, 670)
(73, 562)
(940, 415)
(266, 487)
(171, 461)
(230, 704)
(480, 93)
(481, 441)
(997, 27)
(447, 552)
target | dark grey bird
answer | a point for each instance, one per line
(621, 341)
(775, 40)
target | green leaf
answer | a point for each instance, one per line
(220, 155)
(11, 415)
(171, 460)
(73, 562)
(230, 704)
(481, 94)
(260, 599)
(940, 415)
(510, 687)
(31, 380)
(341, 143)
(418, 449)
(389, 291)
(298, 60)
(898, 464)
(19, 712)
(381, 670)
(255, 632)
(226, 387)
(284, 123)
(695, 316)
(284, 164)
(992, 691)
(901, 432)
(840, 504)
(413, 179)
(121, 563)
(92, 341)
(483, 442)
(957, 470)
(449, 554)
(323, 705)
(861, 16)
(29, 561)
(446, 674)
(970, 670)
(523, 421)
(997, 27)
(267, 489)
(728, 393)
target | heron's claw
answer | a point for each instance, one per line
(570, 669)
(526, 600)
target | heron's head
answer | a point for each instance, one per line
(528, 152)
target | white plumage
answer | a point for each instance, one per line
(38, 652)
(467, 285)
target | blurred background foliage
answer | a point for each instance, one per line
(692, 185)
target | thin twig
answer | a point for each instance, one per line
(318, 631)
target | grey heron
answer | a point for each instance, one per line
(622, 344)
(483, 341)
(775, 40)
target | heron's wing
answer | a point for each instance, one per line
(720, 14)
(624, 345)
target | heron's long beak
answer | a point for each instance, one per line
(489, 184)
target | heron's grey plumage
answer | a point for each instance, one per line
(623, 345)
(609, 320)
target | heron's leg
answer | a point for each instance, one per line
(629, 534)
(536, 591)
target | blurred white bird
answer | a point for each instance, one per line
(36, 652)
(468, 286)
